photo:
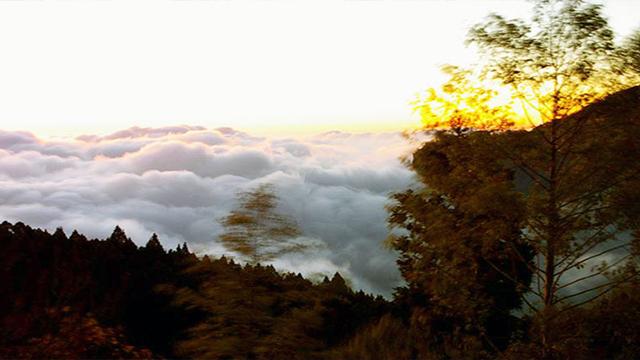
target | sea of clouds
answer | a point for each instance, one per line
(179, 181)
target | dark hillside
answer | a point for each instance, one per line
(70, 297)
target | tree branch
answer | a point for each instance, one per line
(608, 284)
(582, 261)
(604, 270)
(509, 277)
(613, 286)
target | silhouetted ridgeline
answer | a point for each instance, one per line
(70, 297)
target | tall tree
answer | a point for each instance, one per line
(629, 53)
(256, 230)
(560, 62)
(573, 177)
(461, 244)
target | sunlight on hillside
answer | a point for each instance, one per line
(466, 100)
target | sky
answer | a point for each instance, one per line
(152, 115)
(269, 67)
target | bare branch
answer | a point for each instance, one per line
(587, 245)
(600, 272)
(613, 286)
(608, 284)
(582, 261)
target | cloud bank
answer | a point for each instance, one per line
(177, 181)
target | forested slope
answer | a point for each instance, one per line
(70, 297)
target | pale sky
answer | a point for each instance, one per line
(73, 67)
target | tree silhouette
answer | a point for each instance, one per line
(459, 238)
(255, 230)
(463, 103)
(558, 64)
(74, 298)
(629, 54)
(572, 178)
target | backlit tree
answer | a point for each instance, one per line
(256, 230)
(572, 178)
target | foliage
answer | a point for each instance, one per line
(629, 55)
(254, 312)
(463, 103)
(569, 184)
(533, 72)
(461, 242)
(74, 336)
(560, 61)
(386, 339)
(113, 280)
(577, 166)
(69, 297)
(254, 229)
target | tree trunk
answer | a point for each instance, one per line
(553, 238)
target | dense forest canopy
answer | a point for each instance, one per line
(146, 302)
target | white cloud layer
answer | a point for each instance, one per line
(177, 181)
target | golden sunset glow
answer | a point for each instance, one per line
(466, 100)
(290, 66)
